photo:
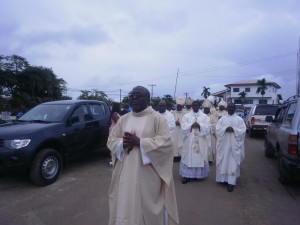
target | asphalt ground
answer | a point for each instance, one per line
(79, 197)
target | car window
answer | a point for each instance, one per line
(266, 110)
(79, 115)
(280, 115)
(98, 110)
(290, 114)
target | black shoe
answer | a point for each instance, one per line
(230, 187)
(176, 158)
(184, 180)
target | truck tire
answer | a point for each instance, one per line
(285, 176)
(251, 132)
(46, 167)
(269, 153)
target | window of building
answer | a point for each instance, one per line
(247, 89)
(249, 101)
(263, 101)
(236, 90)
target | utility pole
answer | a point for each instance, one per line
(298, 71)
(152, 85)
(186, 94)
(176, 85)
(120, 95)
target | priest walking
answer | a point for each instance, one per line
(196, 144)
(230, 131)
(142, 188)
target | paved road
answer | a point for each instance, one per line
(79, 197)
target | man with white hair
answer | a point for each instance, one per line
(177, 135)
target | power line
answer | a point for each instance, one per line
(211, 69)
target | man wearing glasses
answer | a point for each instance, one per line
(142, 189)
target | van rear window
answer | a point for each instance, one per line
(266, 110)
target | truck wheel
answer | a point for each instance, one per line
(268, 151)
(46, 167)
(251, 132)
(285, 176)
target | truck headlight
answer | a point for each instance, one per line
(17, 143)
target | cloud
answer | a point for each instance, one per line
(113, 45)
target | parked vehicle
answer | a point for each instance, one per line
(256, 119)
(50, 134)
(282, 139)
(240, 112)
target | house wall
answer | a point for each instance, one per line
(252, 96)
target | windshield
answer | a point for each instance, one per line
(266, 110)
(47, 113)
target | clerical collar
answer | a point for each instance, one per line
(196, 114)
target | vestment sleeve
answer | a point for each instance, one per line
(186, 124)
(220, 128)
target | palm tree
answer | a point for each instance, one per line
(242, 97)
(205, 92)
(262, 86)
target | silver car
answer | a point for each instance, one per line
(282, 139)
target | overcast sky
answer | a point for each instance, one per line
(118, 44)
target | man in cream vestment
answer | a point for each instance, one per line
(142, 189)
(196, 144)
(178, 136)
(221, 109)
(230, 131)
(213, 121)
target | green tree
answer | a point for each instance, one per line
(262, 86)
(10, 67)
(37, 85)
(154, 102)
(169, 100)
(125, 100)
(29, 85)
(242, 97)
(94, 94)
(205, 92)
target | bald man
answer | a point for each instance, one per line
(142, 188)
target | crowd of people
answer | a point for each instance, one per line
(145, 142)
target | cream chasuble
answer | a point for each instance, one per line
(140, 193)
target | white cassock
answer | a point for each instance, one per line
(196, 145)
(177, 135)
(212, 152)
(230, 148)
(171, 121)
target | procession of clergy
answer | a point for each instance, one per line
(203, 135)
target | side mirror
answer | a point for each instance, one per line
(269, 119)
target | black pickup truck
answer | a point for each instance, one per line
(50, 134)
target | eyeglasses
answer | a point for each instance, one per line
(136, 95)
